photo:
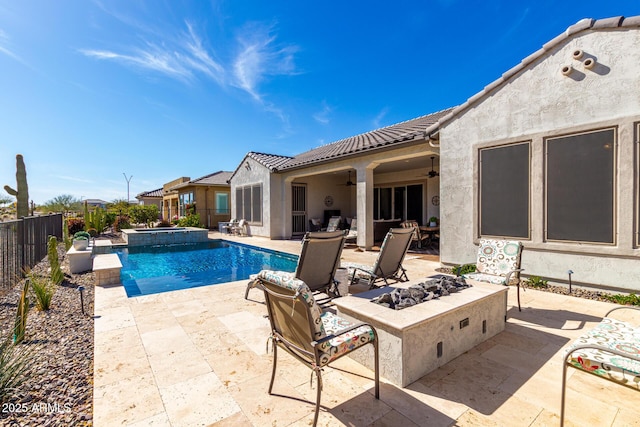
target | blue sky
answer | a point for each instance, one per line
(156, 90)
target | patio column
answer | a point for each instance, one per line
(364, 204)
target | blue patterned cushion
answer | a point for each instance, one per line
(613, 334)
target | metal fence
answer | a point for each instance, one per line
(23, 244)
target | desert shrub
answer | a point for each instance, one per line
(464, 269)
(631, 299)
(57, 276)
(85, 234)
(163, 224)
(74, 225)
(43, 291)
(190, 221)
(14, 367)
(96, 220)
(110, 218)
(143, 214)
(122, 221)
(536, 282)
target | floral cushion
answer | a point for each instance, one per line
(498, 257)
(343, 342)
(481, 277)
(613, 334)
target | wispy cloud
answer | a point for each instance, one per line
(4, 48)
(254, 57)
(181, 60)
(323, 116)
(259, 56)
(378, 118)
(73, 178)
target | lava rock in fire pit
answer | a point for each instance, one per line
(399, 298)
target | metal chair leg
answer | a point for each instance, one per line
(275, 360)
(318, 395)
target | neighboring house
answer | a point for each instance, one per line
(153, 197)
(548, 155)
(379, 177)
(208, 196)
(96, 203)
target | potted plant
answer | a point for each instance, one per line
(81, 240)
(433, 221)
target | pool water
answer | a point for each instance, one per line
(153, 269)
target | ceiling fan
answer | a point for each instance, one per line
(349, 183)
(432, 173)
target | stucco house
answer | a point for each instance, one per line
(550, 155)
(153, 197)
(379, 178)
(208, 196)
(547, 154)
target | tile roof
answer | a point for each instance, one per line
(152, 193)
(216, 178)
(365, 142)
(582, 25)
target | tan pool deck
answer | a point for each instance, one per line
(198, 357)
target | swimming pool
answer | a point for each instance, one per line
(154, 269)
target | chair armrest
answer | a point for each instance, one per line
(630, 307)
(601, 348)
(507, 278)
(342, 332)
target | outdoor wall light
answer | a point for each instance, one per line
(247, 166)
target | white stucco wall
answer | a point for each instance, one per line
(536, 103)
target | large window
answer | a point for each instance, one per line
(580, 187)
(249, 203)
(222, 203)
(504, 191)
(186, 200)
(401, 202)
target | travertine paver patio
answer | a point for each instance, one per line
(198, 357)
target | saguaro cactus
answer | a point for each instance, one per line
(21, 315)
(22, 192)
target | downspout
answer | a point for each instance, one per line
(433, 141)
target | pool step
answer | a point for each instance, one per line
(107, 268)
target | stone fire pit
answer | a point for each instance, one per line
(400, 298)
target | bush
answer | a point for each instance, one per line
(464, 269)
(122, 221)
(190, 221)
(631, 299)
(74, 225)
(14, 367)
(536, 282)
(84, 234)
(110, 218)
(144, 214)
(43, 290)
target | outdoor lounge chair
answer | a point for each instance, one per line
(352, 234)
(334, 223)
(318, 261)
(388, 265)
(498, 263)
(302, 329)
(240, 229)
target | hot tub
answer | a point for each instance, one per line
(164, 236)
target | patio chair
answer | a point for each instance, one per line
(313, 337)
(352, 234)
(418, 237)
(334, 223)
(239, 229)
(317, 264)
(388, 265)
(498, 263)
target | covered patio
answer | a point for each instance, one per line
(197, 357)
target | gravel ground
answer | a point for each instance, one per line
(576, 291)
(59, 388)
